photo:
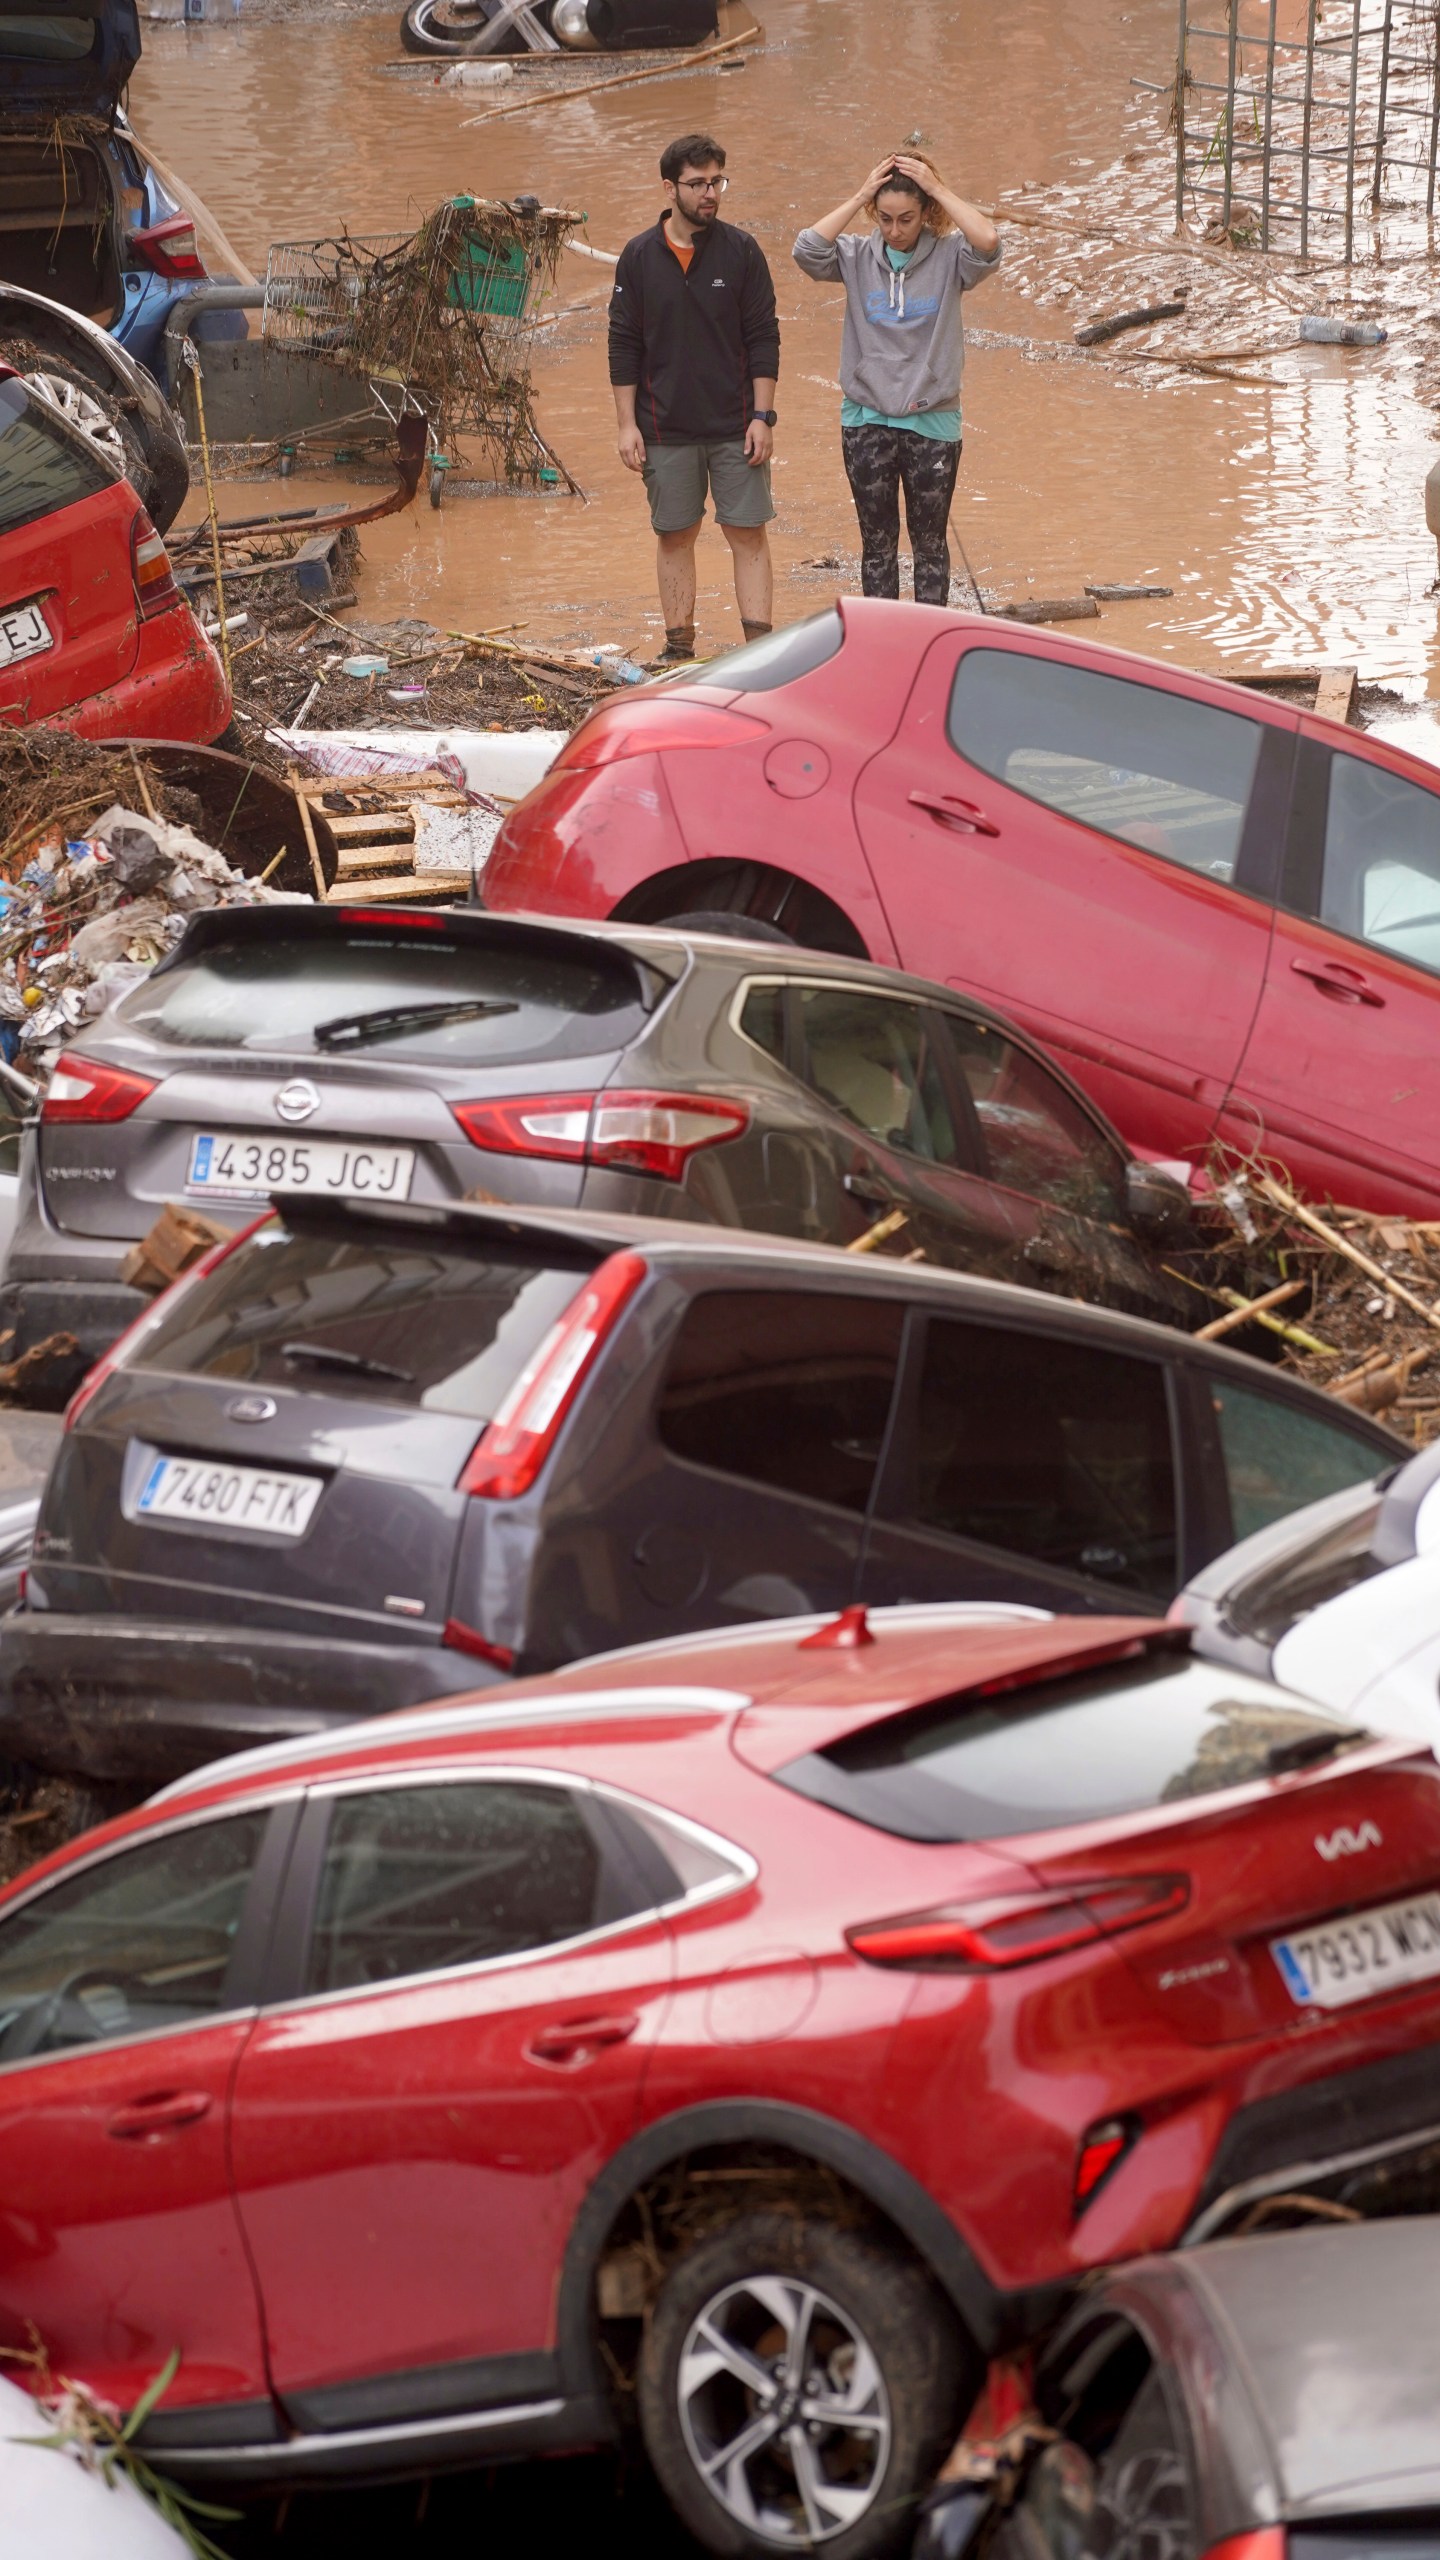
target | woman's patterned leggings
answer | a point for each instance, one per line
(879, 462)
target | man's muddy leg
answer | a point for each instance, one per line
(927, 470)
(872, 467)
(754, 577)
(675, 569)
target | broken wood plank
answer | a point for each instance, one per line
(1048, 609)
(1376, 1271)
(177, 1239)
(366, 826)
(317, 868)
(419, 885)
(1123, 594)
(354, 858)
(1335, 693)
(1247, 1308)
(1096, 332)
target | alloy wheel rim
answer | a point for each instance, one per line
(82, 410)
(784, 2410)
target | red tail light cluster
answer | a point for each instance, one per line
(513, 1448)
(1102, 2150)
(170, 247)
(155, 588)
(629, 1132)
(84, 1089)
(1016, 1928)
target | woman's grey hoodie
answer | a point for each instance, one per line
(904, 346)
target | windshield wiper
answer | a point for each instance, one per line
(327, 1355)
(349, 1030)
(1306, 1747)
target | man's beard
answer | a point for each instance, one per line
(705, 214)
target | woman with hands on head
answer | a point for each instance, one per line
(901, 357)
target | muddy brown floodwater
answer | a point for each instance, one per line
(1285, 507)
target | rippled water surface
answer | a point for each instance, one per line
(1284, 506)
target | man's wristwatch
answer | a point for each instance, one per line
(768, 417)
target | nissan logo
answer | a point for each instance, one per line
(296, 1101)
(251, 1409)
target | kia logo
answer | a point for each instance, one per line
(251, 1409)
(1345, 1843)
(296, 1102)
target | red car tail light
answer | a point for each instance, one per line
(83, 1089)
(512, 1449)
(117, 1357)
(155, 588)
(1102, 2150)
(1267, 2542)
(651, 727)
(1016, 1928)
(629, 1132)
(170, 247)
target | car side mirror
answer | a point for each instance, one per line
(1157, 1207)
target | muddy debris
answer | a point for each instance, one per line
(290, 672)
(1351, 1303)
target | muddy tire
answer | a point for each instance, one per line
(154, 466)
(741, 928)
(798, 2384)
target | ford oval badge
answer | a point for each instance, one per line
(251, 1409)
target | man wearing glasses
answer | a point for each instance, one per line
(694, 355)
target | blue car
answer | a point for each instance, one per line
(84, 219)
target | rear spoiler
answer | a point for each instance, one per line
(214, 927)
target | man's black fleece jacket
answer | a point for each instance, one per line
(693, 341)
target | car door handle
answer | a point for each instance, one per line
(1335, 978)
(872, 1195)
(572, 2040)
(955, 812)
(164, 2111)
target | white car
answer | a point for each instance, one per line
(1340, 1601)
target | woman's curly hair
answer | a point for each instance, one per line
(933, 215)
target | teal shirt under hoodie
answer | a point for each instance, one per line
(903, 349)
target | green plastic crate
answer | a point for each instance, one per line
(492, 282)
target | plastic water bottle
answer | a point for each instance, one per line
(1321, 331)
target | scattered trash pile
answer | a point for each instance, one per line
(1354, 1305)
(100, 868)
(294, 667)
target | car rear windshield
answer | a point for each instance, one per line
(764, 665)
(1367, 2538)
(381, 1319)
(41, 467)
(385, 991)
(1118, 1740)
(1269, 1603)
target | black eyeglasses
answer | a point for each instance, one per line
(705, 186)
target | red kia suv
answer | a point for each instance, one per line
(94, 633)
(1221, 914)
(754, 2033)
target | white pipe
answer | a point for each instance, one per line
(582, 249)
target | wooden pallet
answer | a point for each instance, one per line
(371, 828)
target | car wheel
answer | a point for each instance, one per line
(798, 2384)
(742, 928)
(155, 468)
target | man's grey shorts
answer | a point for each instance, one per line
(676, 476)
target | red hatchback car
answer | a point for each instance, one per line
(94, 633)
(1222, 914)
(756, 2032)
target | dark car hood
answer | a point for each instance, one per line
(59, 54)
